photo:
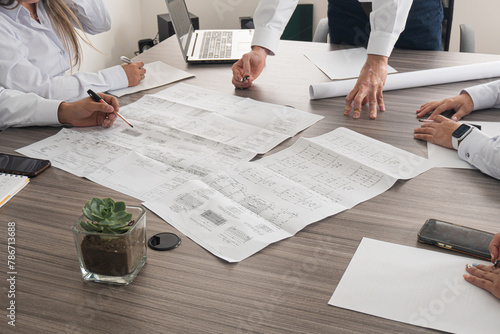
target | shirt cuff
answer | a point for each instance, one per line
(471, 144)
(482, 96)
(381, 43)
(267, 38)
(115, 77)
(46, 112)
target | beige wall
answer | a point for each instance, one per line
(483, 15)
(133, 20)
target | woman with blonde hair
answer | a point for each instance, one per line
(40, 42)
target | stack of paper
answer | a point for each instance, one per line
(10, 185)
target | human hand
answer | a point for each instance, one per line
(135, 72)
(438, 131)
(462, 104)
(250, 65)
(87, 112)
(368, 88)
(494, 247)
(485, 277)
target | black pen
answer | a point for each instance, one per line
(245, 78)
(497, 261)
(97, 98)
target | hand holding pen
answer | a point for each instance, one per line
(97, 98)
(134, 71)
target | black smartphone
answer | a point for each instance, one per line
(449, 114)
(15, 164)
(455, 237)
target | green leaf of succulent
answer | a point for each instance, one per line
(120, 206)
(106, 216)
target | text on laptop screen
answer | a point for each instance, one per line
(182, 24)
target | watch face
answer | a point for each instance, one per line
(462, 129)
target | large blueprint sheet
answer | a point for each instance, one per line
(239, 211)
(172, 141)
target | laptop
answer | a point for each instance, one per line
(207, 46)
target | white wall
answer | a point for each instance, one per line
(126, 30)
(133, 20)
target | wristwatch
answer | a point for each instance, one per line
(459, 134)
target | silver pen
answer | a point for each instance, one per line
(126, 60)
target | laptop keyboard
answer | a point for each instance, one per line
(216, 44)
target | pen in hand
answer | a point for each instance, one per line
(126, 60)
(97, 98)
(497, 261)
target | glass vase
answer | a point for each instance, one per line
(112, 258)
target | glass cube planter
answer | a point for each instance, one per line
(112, 258)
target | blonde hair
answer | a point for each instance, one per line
(64, 20)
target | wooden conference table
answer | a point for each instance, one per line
(282, 289)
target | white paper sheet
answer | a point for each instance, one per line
(237, 212)
(157, 74)
(416, 286)
(270, 117)
(412, 79)
(341, 64)
(447, 157)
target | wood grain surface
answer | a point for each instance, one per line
(282, 289)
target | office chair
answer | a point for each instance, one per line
(467, 38)
(321, 33)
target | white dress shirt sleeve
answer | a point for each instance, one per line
(481, 151)
(18, 72)
(33, 59)
(387, 20)
(92, 14)
(20, 109)
(270, 19)
(485, 96)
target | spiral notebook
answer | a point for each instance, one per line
(10, 185)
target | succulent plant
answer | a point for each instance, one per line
(106, 216)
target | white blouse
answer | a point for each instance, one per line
(33, 59)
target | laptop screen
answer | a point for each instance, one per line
(182, 23)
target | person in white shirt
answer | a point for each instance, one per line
(28, 109)
(474, 146)
(387, 21)
(39, 44)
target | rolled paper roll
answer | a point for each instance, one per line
(395, 81)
